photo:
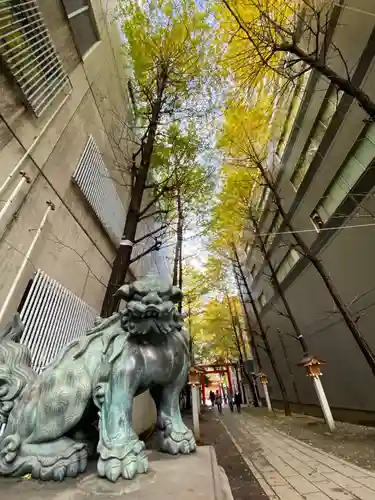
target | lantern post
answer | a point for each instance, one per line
(313, 370)
(264, 381)
(194, 381)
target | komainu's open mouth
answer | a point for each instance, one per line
(141, 310)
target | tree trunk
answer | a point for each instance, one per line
(176, 261)
(180, 234)
(264, 338)
(242, 365)
(344, 310)
(283, 347)
(344, 84)
(279, 289)
(122, 260)
(248, 323)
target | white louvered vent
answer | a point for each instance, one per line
(53, 316)
(94, 181)
(27, 51)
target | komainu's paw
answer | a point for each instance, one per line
(177, 442)
(54, 460)
(64, 467)
(134, 462)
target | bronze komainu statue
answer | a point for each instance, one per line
(142, 347)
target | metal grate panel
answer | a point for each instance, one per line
(94, 181)
(53, 316)
(28, 52)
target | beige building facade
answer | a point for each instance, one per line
(66, 137)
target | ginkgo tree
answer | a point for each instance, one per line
(213, 334)
(168, 43)
(273, 42)
(238, 184)
(191, 185)
(241, 188)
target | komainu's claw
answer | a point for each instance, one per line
(135, 462)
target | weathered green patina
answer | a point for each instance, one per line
(142, 347)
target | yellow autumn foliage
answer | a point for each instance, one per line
(250, 31)
(212, 331)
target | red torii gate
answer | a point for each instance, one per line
(216, 367)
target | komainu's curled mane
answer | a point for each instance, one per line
(142, 347)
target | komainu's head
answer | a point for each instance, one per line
(150, 307)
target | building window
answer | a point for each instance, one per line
(295, 102)
(355, 165)
(95, 183)
(275, 226)
(82, 23)
(262, 300)
(286, 265)
(28, 55)
(52, 317)
(328, 109)
(253, 271)
(263, 200)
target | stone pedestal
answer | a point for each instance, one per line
(190, 477)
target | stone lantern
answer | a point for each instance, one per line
(312, 366)
(194, 376)
(194, 381)
(264, 381)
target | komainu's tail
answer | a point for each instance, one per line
(15, 367)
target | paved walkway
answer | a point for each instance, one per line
(288, 469)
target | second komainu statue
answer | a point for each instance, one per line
(142, 347)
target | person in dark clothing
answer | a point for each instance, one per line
(230, 401)
(219, 401)
(212, 398)
(238, 401)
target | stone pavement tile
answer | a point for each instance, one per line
(367, 481)
(334, 491)
(302, 485)
(342, 480)
(316, 496)
(253, 469)
(318, 467)
(287, 493)
(297, 465)
(274, 479)
(314, 477)
(319, 462)
(362, 493)
(261, 464)
(346, 470)
(281, 466)
(315, 453)
(266, 487)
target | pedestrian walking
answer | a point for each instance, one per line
(238, 401)
(230, 401)
(219, 402)
(212, 398)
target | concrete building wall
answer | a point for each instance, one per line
(73, 247)
(347, 253)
